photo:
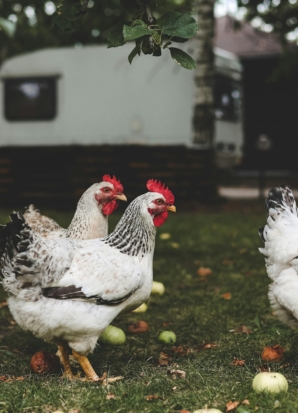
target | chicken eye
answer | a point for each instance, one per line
(106, 189)
(159, 201)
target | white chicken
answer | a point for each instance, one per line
(68, 291)
(280, 236)
(91, 217)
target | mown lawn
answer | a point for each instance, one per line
(194, 308)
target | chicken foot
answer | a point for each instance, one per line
(64, 360)
(90, 373)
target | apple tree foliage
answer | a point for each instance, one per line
(152, 26)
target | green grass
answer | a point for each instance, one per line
(225, 241)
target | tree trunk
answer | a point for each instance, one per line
(203, 116)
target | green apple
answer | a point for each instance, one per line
(142, 309)
(113, 335)
(167, 337)
(157, 288)
(270, 381)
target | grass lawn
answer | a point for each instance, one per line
(209, 331)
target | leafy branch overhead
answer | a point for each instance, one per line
(152, 38)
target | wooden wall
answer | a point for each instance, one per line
(55, 177)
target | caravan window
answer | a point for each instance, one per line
(30, 98)
(227, 98)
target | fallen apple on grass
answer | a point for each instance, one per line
(270, 381)
(45, 362)
(142, 309)
(113, 335)
(167, 337)
(157, 288)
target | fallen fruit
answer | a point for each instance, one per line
(157, 288)
(167, 337)
(273, 353)
(270, 381)
(142, 309)
(204, 271)
(113, 335)
(45, 362)
(165, 235)
(138, 327)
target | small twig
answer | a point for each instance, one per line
(150, 17)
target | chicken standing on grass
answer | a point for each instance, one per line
(280, 236)
(68, 291)
(91, 217)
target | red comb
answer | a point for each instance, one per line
(117, 184)
(157, 186)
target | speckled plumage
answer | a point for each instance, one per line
(280, 236)
(115, 268)
(89, 222)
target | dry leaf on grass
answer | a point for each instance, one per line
(7, 378)
(204, 271)
(165, 324)
(184, 411)
(226, 261)
(163, 359)
(284, 366)
(231, 405)
(226, 296)
(242, 329)
(238, 362)
(175, 388)
(246, 401)
(110, 396)
(139, 327)
(273, 353)
(152, 397)
(209, 345)
(182, 350)
(177, 373)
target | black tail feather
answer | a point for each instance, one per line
(281, 197)
(15, 235)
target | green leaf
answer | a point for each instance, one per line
(256, 320)
(115, 36)
(156, 38)
(182, 58)
(177, 24)
(132, 33)
(7, 26)
(133, 54)
(139, 22)
(69, 15)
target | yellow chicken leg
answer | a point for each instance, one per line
(86, 366)
(90, 373)
(64, 359)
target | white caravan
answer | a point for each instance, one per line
(92, 95)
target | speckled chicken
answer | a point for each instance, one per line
(91, 217)
(68, 291)
(280, 236)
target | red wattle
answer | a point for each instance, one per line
(110, 207)
(159, 219)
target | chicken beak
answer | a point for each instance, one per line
(121, 197)
(171, 208)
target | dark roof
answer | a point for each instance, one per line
(245, 42)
